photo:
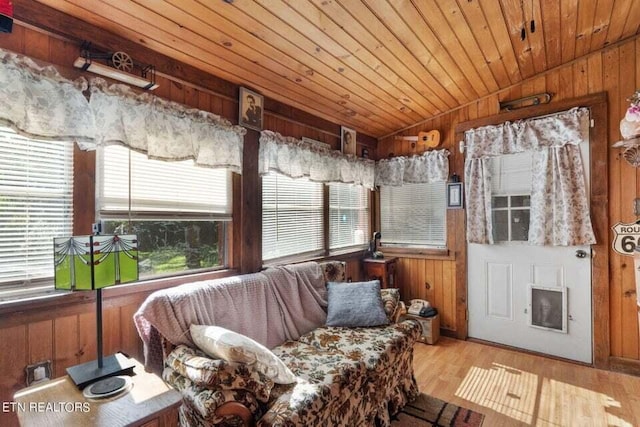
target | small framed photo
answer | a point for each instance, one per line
(348, 140)
(454, 195)
(548, 308)
(250, 109)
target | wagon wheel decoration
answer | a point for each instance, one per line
(122, 61)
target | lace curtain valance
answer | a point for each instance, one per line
(295, 158)
(163, 129)
(533, 134)
(432, 166)
(559, 210)
(38, 102)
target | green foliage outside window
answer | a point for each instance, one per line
(174, 246)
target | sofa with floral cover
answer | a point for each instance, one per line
(344, 376)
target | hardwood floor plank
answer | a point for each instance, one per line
(518, 389)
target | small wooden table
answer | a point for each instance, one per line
(383, 269)
(58, 402)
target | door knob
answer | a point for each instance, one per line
(581, 254)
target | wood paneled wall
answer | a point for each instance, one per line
(614, 70)
(433, 280)
(65, 335)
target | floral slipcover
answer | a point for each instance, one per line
(346, 377)
(391, 301)
(334, 271)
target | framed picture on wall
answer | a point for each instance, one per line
(251, 108)
(548, 308)
(454, 195)
(348, 140)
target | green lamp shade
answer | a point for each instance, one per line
(85, 263)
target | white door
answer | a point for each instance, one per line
(532, 297)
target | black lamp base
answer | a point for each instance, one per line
(108, 387)
(87, 373)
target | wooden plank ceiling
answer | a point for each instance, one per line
(374, 65)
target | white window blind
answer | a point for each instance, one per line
(160, 188)
(36, 204)
(511, 173)
(291, 216)
(413, 215)
(348, 215)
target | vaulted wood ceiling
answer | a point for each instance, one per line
(375, 65)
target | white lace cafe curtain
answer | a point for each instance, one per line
(39, 103)
(162, 129)
(559, 209)
(294, 158)
(432, 166)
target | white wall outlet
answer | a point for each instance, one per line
(40, 371)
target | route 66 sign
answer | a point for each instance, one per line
(626, 238)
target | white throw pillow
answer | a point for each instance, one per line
(234, 347)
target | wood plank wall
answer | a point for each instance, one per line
(614, 70)
(433, 280)
(66, 334)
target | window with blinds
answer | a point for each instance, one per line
(348, 215)
(414, 215)
(292, 216)
(178, 210)
(36, 205)
(153, 188)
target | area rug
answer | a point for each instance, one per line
(428, 411)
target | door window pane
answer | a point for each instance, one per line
(500, 226)
(520, 225)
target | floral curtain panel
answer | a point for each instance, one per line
(432, 166)
(295, 158)
(162, 129)
(39, 103)
(559, 208)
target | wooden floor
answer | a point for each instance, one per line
(518, 389)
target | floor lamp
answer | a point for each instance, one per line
(92, 263)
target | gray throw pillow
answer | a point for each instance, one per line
(356, 304)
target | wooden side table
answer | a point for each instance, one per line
(58, 402)
(383, 269)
